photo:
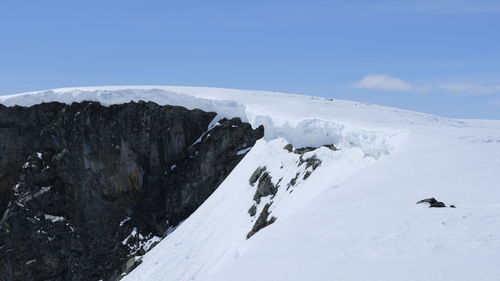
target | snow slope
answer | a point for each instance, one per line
(354, 217)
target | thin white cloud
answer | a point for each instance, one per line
(382, 82)
(470, 88)
(385, 82)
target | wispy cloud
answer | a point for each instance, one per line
(470, 88)
(386, 82)
(382, 82)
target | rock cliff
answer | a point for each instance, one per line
(86, 189)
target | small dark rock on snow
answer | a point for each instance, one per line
(288, 147)
(433, 203)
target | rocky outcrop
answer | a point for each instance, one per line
(433, 203)
(262, 221)
(289, 147)
(85, 189)
(265, 187)
(256, 175)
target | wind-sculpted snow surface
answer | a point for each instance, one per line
(339, 202)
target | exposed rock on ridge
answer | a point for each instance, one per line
(84, 188)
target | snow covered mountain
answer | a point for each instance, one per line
(329, 193)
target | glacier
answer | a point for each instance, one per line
(354, 216)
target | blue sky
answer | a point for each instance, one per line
(440, 57)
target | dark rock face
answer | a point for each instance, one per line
(85, 188)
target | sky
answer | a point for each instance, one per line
(440, 56)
